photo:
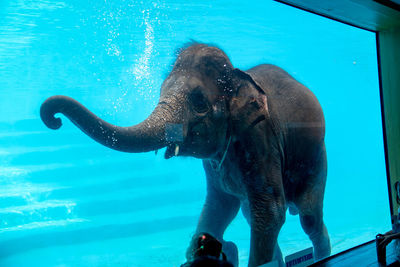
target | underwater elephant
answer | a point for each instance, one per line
(259, 132)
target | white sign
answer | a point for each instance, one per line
(300, 259)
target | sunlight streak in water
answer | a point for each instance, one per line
(25, 189)
(35, 225)
(23, 15)
(28, 211)
(20, 133)
(23, 149)
(7, 172)
(37, 205)
(12, 172)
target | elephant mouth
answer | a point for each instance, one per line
(172, 150)
(188, 145)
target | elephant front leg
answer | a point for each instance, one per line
(218, 212)
(267, 215)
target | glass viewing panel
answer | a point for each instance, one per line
(67, 200)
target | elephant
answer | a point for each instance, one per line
(259, 133)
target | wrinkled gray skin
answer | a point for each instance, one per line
(260, 134)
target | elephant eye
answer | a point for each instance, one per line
(198, 101)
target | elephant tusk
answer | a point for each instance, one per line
(176, 150)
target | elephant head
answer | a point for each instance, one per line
(192, 118)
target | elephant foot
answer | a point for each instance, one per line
(322, 249)
(231, 252)
(278, 257)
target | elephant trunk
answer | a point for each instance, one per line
(146, 136)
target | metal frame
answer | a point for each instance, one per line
(383, 18)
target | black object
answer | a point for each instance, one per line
(207, 252)
(381, 242)
(207, 261)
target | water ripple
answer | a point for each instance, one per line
(35, 225)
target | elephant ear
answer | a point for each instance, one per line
(241, 76)
(248, 103)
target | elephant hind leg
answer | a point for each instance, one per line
(277, 251)
(310, 206)
(315, 228)
(231, 252)
(278, 255)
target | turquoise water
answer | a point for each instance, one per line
(67, 201)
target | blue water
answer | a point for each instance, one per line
(67, 201)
